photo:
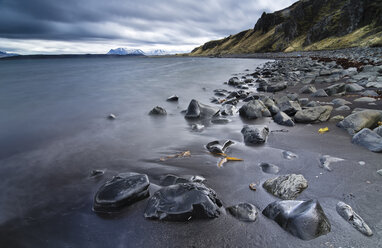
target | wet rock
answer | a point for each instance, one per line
(313, 114)
(343, 108)
(269, 168)
(378, 130)
(354, 87)
(303, 219)
(122, 190)
(111, 117)
(308, 89)
(173, 98)
(365, 99)
(340, 102)
(254, 136)
(244, 212)
(97, 173)
(346, 212)
(283, 119)
(234, 81)
(198, 110)
(379, 172)
(289, 155)
(271, 105)
(217, 147)
(277, 87)
(286, 187)
(319, 93)
(326, 160)
(158, 111)
(197, 127)
(254, 109)
(181, 202)
(359, 120)
(368, 139)
(336, 89)
(289, 107)
(229, 109)
(170, 179)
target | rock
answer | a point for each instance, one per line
(271, 105)
(313, 114)
(343, 108)
(286, 187)
(158, 111)
(313, 104)
(379, 172)
(369, 93)
(365, 99)
(303, 101)
(229, 109)
(374, 85)
(326, 160)
(378, 130)
(111, 117)
(368, 139)
(340, 102)
(289, 155)
(170, 179)
(346, 212)
(308, 89)
(289, 107)
(198, 110)
(220, 120)
(277, 87)
(283, 119)
(244, 212)
(292, 96)
(337, 118)
(217, 148)
(359, 120)
(122, 190)
(354, 87)
(255, 136)
(319, 93)
(234, 81)
(97, 173)
(197, 127)
(336, 89)
(173, 98)
(183, 201)
(303, 219)
(269, 168)
(254, 109)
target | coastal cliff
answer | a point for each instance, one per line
(306, 25)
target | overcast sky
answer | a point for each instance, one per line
(95, 26)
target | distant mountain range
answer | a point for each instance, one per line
(306, 25)
(136, 52)
(5, 54)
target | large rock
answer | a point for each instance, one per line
(244, 212)
(286, 187)
(359, 120)
(254, 109)
(254, 136)
(198, 110)
(124, 189)
(277, 87)
(181, 202)
(319, 93)
(354, 87)
(271, 105)
(313, 114)
(289, 107)
(340, 102)
(336, 89)
(368, 139)
(353, 218)
(303, 219)
(283, 119)
(308, 89)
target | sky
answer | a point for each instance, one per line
(96, 26)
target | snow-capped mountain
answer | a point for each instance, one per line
(157, 52)
(123, 51)
(5, 54)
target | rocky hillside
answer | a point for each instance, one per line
(307, 25)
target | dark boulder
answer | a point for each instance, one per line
(303, 219)
(158, 111)
(181, 202)
(254, 136)
(198, 110)
(283, 119)
(173, 98)
(254, 109)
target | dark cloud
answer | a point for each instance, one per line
(171, 22)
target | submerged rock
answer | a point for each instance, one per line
(286, 187)
(244, 212)
(198, 110)
(254, 136)
(111, 117)
(283, 119)
(326, 160)
(254, 109)
(353, 218)
(124, 189)
(303, 219)
(217, 148)
(181, 202)
(368, 139)
(173, 98)
(158, 111)
(313, 114)
(269, 168)
(289, 155)
(170, 179)
(97, 173)
(359, 120)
